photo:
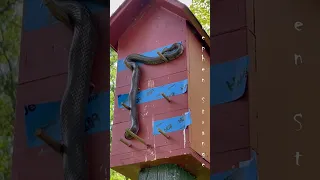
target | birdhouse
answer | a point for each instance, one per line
(43, 72)
(173, 102)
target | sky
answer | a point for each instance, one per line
(114, 4)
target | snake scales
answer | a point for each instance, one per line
(74, 101)
(168, 54)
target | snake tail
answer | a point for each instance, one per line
(171, 53)
(78, 18)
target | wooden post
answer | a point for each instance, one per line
(165, 171)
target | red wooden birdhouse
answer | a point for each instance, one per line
(173, 99)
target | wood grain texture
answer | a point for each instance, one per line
(42, 79)
(229, 122)
(286, 89)
(199, 96)
(155, 27)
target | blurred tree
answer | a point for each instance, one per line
(201, 9)
(10, 27)
(113, 73)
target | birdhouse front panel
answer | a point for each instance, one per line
(155, 30)
(163, 101)
(43, 75)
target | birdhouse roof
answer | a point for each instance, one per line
(122, 18)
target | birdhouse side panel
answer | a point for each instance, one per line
(230, 15)
(199, 96)
(229, 102)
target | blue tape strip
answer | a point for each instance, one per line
(48, 114)
(121, 66)
(172, 124)
(247, 171)
(37, 15)
(228, 80)
(153, 94)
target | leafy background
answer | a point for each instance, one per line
(10, 31)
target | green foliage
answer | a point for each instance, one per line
(10, 18)
(201, 9)
(113, 74)
(114, 175)
(6, 112)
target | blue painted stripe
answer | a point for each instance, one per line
(172, 124)
(121, 66)
(247, 171)
(47, 114)
(228, 80)
(152, 94)
(37, 15)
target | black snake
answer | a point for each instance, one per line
(74, 101)
(167, 54)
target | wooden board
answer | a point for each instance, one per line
(230, 121)
(175, 142)
(42, 162)
(161, 28)
(286, 89)
(153, 107)
(48, 54)
(234, 124)
(42, 79)
(199, 96)
(231, 15)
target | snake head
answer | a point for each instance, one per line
(127, 136)
(63, 17)
(134, 129)
(173, 52)
(129, 66)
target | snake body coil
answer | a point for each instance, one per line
(171, 53)
(73, 105)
